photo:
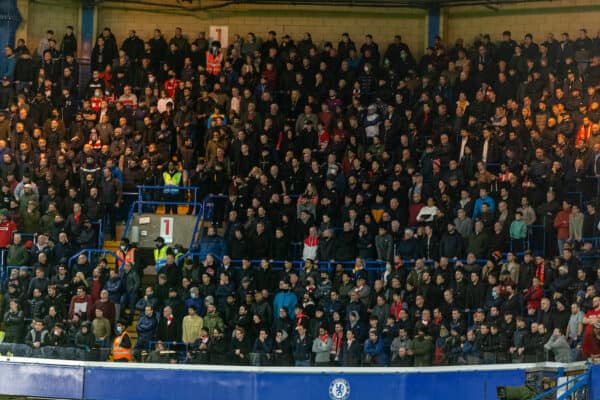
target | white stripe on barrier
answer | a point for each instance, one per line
(304, 370)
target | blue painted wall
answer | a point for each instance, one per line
(595, 395)
(99, 383)
(94, 381)
(41, 380)
(138, 384)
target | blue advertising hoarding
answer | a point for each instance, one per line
(99, 381)
(41, 380)
(295, 384)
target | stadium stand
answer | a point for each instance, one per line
(357, 206)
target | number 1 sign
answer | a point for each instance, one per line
(166, 229)
(219, 33)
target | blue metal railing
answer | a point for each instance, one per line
(580, 383)
(200, 209)
(575, 198)
(2, 263)
(136, 205)
(100, 240)
(90, 252)
(207, 207)
(142, 189)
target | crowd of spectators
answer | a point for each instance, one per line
(468, 176)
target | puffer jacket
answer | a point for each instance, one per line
(14, 324)
(146, 327)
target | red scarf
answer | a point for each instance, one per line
(337, 341)
(395, 309)
(324, 337)
(539, 272)
(299, 318)
(311, 241)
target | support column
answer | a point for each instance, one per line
(22, 31)
(88, 15)
(10, 19)
(88, 28)
(433, 23)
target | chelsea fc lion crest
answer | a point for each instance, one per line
(339, 389)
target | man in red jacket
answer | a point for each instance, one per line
(591, 337)
(533, 296)
(81, 303)
(561, 224)
(7, 227)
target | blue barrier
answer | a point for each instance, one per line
(42, 380)
(95, 380)
(595, 382)
(276, 384)
(255, 383)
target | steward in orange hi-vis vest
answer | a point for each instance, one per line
(214, 59)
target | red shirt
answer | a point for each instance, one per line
(96, 289)
(96, 103)
(561, 224)
(6, 230)
(589, 346)
(323, 140)
(170, 86)
(534, 297)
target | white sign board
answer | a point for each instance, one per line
(220, 33)
(166, 229)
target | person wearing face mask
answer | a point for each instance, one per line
(368, 83)
(126, 253)
(121, 351)
(194, 300)
(214, 59)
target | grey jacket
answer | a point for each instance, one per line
(559, 347)
(321, 350)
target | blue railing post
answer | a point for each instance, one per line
(140, 198)
(195, 199)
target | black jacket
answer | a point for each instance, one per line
(302, 348)
(345, 246)
(326, 250)
(475, 295)
(451, 245)
(168, 332)
(351, 355)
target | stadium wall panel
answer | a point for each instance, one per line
(80, 380)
